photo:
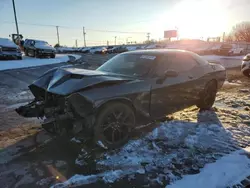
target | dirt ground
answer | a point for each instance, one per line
(30, 157)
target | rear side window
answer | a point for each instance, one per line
(182, 62)
(199, 59)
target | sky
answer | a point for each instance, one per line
(127, 20)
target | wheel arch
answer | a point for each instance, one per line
(123, 100)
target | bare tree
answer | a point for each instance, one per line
(241, 32)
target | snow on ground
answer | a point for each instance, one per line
(226, 61)
(32, 62)
(173, 149)
(226, 172)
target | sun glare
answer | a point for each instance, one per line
(194, 19)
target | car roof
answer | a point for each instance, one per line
(36, 40)
(157, 51)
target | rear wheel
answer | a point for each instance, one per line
(113, 125)
(208, 95)
(52, 56)
(247, 73)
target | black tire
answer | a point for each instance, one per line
(113, 124)
(207, 97)
(53, 56)
(247, 73)
(26, 52)
(36, 54)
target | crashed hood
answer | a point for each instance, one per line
(64, 81)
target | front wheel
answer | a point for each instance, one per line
(207, 97)
(113, 125)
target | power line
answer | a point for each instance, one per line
(93, 30)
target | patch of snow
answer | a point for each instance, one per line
(75, 56)
(32, 62)
(141, 171)
(75, 140)
(45, 181)
(112, 176)
(77, 180)
(99, 143)
(230, 84)
(188, 145)
(225, 172)
(226, 61)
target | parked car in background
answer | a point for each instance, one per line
(132, 48)
(107, 104)
(85, 49)
(230, 49)
(236, 50)
(98, 50)
(38, 48)
(64, 49)
(109, 49)
(117, 49)
(245, 66)
(9, 50)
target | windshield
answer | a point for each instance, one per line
(129, 64)
(42, 43)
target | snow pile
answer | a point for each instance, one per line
(226, 61)
(226, 172)
(168, 152)
(32, 62)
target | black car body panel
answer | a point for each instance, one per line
(77, 94)
(38, 48)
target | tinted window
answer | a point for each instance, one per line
(129, 64)
(163, 64)
(180, 62)
(199, 59)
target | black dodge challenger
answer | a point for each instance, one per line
(109, 102)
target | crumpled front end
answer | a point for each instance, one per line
(53, 109)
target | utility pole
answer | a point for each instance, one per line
(148, 36)
(76, 43)
(58, 40)
(84, 36)
(14, 9)
(115, 40)
(107, 43)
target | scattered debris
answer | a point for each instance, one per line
(75, 140)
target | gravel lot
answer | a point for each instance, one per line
(30, 157)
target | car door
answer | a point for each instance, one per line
(174, 93)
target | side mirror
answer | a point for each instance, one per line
(168, 73)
